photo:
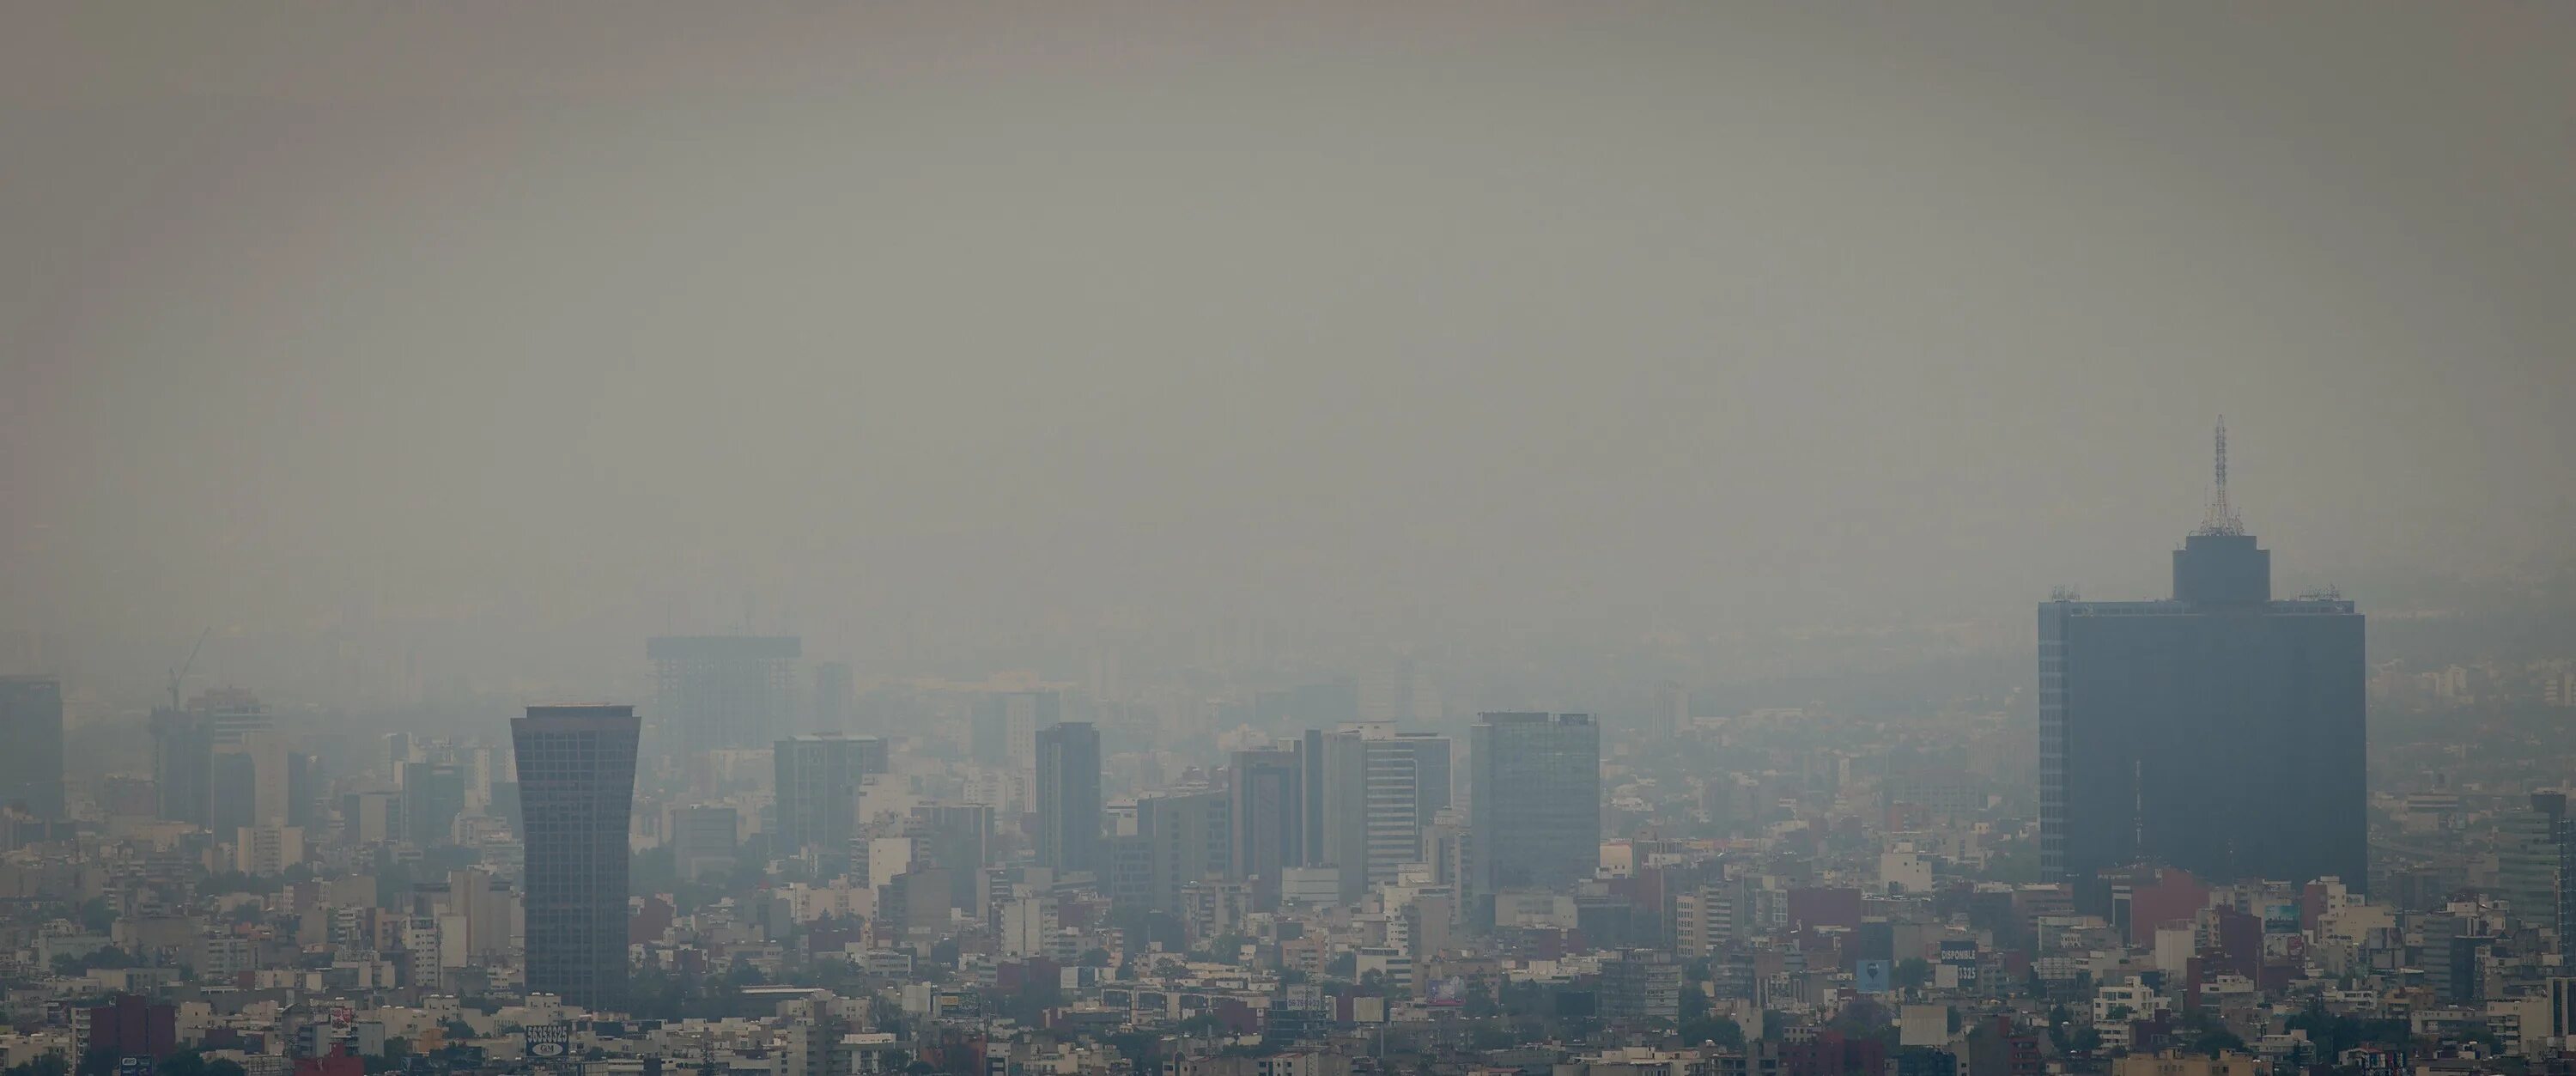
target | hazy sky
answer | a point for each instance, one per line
(588, 315)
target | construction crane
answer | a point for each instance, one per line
(182, 671)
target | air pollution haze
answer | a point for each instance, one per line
(497, 338)
(1806, 538)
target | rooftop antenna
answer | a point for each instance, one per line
(2222, 517)
(181, 672)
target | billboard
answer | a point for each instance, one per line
(1451, 991)
(1873, 977)
(548, 1042)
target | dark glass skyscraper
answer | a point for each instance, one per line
(1534, 805)
(31, 725)
(1269, 819)
(183, 764)
(2220, 731)
(1068, 795)
(576, 785)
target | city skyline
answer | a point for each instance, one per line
(644, 538)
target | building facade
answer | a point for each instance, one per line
(2220, 731)
(576, 786)
(818, 781)
(1268, 819)
(31, 723)
(1068, 797)
(1372, 800)
(1535, 801)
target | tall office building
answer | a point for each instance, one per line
(2220, 731)
(1534, 815)
(232, 715)
(1006, 723)
(712, 691)
(818, 789)
(232, 790)
(183, 760)
(1268, 819)
(576, 785)
(1310, 774)
(304, 783)
(250, 782)
(2535, 848)
(956, 840)
(1431, 772)
(704, 839)
(31, 724)
(1068, 797)
(433, 796)
(1188, 837)
(1372, 806)
(398, 750)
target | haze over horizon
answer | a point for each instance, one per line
(557, 327)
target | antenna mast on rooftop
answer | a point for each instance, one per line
(2222, 517)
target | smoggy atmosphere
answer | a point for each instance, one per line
(652, 538)
(498, 336)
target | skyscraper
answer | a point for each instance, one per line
(183, 761)
(1431, 771)
(818, 789)
(1068, 797)
(1189, 837)
(576, 784)
(2220, 731)
(433, 796)
(1535, 805)
(1268, 818)
(1310, 773)
(2535, 847)
(955, 839)
(1372, 802)
(31, 724)
(713, 691)
(232, 715)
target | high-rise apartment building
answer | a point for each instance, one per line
(818, 789)
(31, 725)
(2220, 731)
(1535, 811)
(576, 785)
(1068, 797)
(712, 691)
